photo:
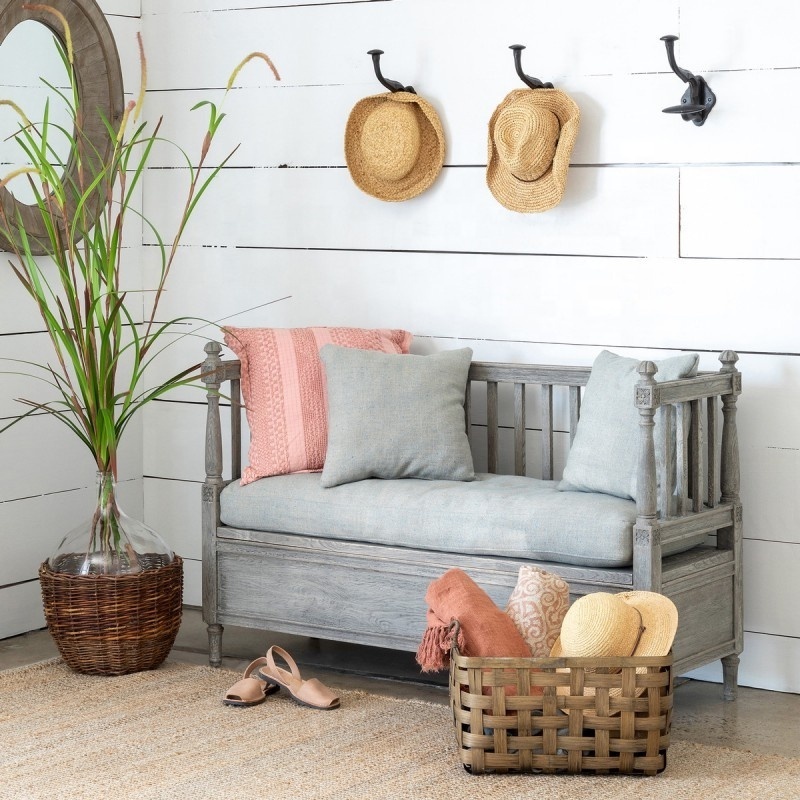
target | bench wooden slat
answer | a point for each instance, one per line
(667, 487)
(529, 373)
(547, 432)
(468, 407)
(697, 459)
(574, 411)
(520, 465)
(682, 458)
(711, 440)
(236, 430)
(491, 425)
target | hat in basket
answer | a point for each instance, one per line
(603, 625)
(531, 136)
(618, 625)
(394, 145)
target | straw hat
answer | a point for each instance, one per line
(394, 145)
(618, 625)
(531, 136)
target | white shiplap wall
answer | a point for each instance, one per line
(669, 237)
(46, 475)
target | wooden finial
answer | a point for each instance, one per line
(728, 359)
(647, 369)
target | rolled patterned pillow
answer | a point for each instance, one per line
(537, 606)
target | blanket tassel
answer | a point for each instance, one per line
(433, 654)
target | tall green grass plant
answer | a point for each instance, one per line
(101, 348)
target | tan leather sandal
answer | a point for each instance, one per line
(309, 693)
(250, 691)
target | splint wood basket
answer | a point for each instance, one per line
(550, 715)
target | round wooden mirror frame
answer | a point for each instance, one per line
(99, 78)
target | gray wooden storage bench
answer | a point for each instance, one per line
(342, 586)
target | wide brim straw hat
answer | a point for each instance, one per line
(531, 136)
(604, 625)
(394, 145)
(626, 624)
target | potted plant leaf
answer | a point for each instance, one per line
(113, 590)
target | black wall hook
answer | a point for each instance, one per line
(698, 99)
(534, 83)
(392, 86)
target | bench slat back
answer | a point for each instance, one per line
(499, 397)
(521, 414)
(689, 428)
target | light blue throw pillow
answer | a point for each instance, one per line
(605, 452)
(396, 416)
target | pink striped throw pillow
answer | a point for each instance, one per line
(283, 386)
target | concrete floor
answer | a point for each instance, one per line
(759, 721)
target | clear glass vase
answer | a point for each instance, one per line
(110, 542)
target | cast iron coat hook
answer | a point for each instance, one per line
(698, 99)
(392, 86)
(534, 83)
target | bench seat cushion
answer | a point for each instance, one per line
(494, 515)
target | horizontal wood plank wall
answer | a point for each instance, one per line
(670, 237)
(46, 475)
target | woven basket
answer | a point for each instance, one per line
(562, 714)
(113, 624)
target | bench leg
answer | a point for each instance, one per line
(730, 676)
(215, 645)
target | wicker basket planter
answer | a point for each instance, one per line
(562, 714)
(114, 624)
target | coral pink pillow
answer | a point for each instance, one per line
(283, 385)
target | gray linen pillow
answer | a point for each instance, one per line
(604, 455)
(396, 416)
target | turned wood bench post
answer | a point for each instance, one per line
(730, 538)
(729, 468)
(646, 535)
(211, 489)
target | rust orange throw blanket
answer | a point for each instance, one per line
(486, 630)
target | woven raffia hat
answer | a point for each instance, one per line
(618, 625)
(531, 136)
(394, 145)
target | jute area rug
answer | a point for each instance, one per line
(166, 734)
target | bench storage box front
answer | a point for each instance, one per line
(352, 562)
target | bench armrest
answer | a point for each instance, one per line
(662, 496)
